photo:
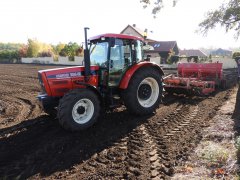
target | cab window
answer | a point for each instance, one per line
(98, 54)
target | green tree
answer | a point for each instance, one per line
(157, 5)
(173, 59)
(9, 56)
(79, 51)
(58, 48)
(45, 53)
(236, 54)
(22, 52)
(10, 46)
(70, 50)
(228, 16)
(33, 48)
(36, 49)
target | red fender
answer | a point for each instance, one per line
(127, 76)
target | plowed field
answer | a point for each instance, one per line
(118, 146)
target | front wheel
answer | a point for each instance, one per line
(78, 109)
(144, 92)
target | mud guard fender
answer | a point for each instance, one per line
(92, 88)
(130, 72)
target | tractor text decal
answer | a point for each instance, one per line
(65, 75)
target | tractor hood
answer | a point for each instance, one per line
(56, 82)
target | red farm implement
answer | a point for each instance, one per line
(197, 78)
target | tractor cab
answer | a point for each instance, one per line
(114, 54)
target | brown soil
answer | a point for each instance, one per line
(118, 146)
(215, 157)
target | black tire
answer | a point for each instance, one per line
(74, 105)
(134, 96)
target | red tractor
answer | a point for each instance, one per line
(114, 73)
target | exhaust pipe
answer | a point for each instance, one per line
(86, 56)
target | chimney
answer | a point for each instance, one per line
(134, 25)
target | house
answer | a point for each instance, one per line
(132, 30)
(161, 49)
(221, 52)
(192, 52)
(195, 54)
(164, 49)
(135, 31)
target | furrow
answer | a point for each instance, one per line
(107, 163)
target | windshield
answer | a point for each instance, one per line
(124, 52)
(98, 54)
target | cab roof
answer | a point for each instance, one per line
(121, 36)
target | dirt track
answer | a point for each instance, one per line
(119, 146)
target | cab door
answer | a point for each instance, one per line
(120, 59)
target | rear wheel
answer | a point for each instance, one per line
(144, 92)
(78, 109)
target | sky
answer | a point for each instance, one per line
(55, 21)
